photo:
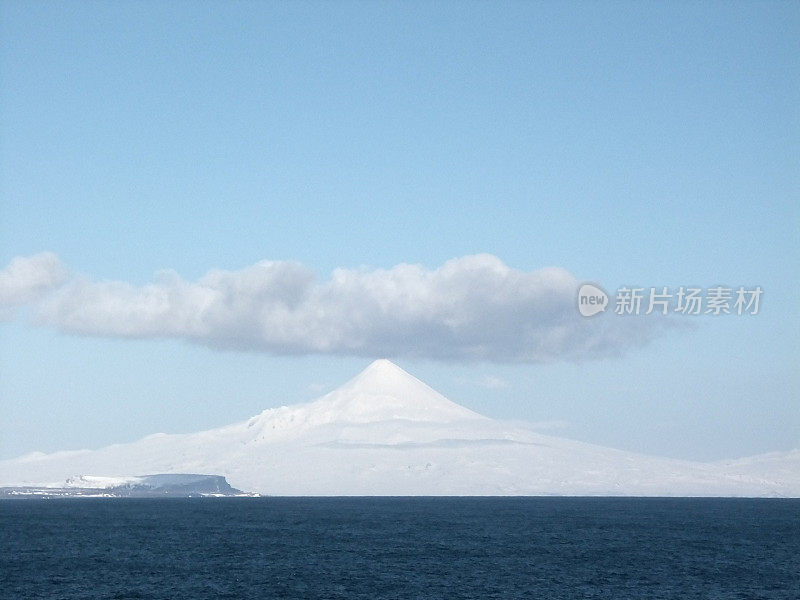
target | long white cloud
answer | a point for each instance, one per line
(474, 307)
(27, 278)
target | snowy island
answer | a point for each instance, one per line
(386, 433)
(177, 485)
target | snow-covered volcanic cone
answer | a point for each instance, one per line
(387, 433)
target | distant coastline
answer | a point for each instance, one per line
(177, 485)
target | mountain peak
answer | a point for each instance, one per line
(382, 392)
(382, 367)
(385, 391)
(383, 375)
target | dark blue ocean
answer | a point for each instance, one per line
(371, 548)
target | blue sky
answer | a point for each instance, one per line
(628, 144)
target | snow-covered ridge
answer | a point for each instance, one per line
(97, 482)
(384, 432)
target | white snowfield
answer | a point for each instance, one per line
(387, 433)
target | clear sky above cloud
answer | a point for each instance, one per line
(162, 150)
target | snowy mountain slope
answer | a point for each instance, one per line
(387, 433)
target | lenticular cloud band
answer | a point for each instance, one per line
(473, 307)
